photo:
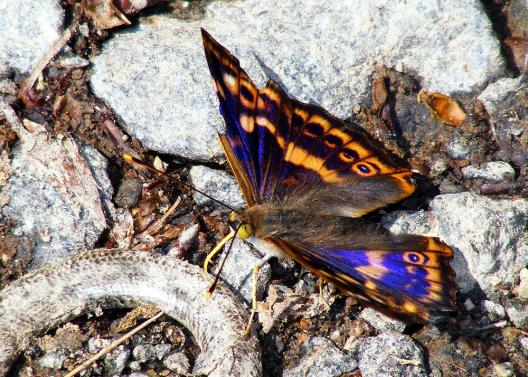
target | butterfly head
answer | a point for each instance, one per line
(245, 229)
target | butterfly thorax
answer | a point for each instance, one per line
(279, 221)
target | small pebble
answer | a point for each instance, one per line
(161, 350)
(496, 352)
(380, 321)
(494, 311)
(524, 344)
(134, 366)
(490, 171)
(4, 260)
(96, 344)
(319, 357)
(469, 305)
(504, 370)
(522, 288)
(128, 193)
(115, 361)
(177, 362)
(51, 360)
(144, 353)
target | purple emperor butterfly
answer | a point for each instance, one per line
(307, 178)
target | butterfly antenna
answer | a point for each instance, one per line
(135, 161)
(211, 289)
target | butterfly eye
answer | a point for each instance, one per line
(245, 231)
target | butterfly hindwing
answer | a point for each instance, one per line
(415, 282)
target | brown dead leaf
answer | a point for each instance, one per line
(517, 49)
(379, 94)
(68, 336)
(444, 108)
(104, 14)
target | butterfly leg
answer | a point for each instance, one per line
(255, 270)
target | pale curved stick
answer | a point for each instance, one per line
(46, 298)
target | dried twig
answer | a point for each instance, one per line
(405, 361)
(12, 118)
(23, 94)
(112, 346)
(156, 226)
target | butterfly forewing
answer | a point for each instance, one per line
(257, 121)
(284, 145)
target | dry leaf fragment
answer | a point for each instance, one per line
(379, 95)
(444, 108)
(104, 14)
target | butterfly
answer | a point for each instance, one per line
(307, 178)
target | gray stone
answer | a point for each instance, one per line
(99, 167)
(490, 171)
(459, 148)
(58, 192)
(217, 184)
(115, 361)
(144, 353)
(523, 340)
(237, 272)
(155, 76)
(71, 60)
(177, 362)
(522, 289)
(128, 193)
(96, 344)
(28, 30)
(134, 366)
(494, 311)
(469, 305)
(391, 355)
(496, 92)
(487, 235)
(161, 350)
(518, 314)
(52, 360)
(380, 321)
(504, 369)
(319, 357)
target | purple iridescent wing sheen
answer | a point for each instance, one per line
(250, 141)
(414, 281)
(278, 147)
